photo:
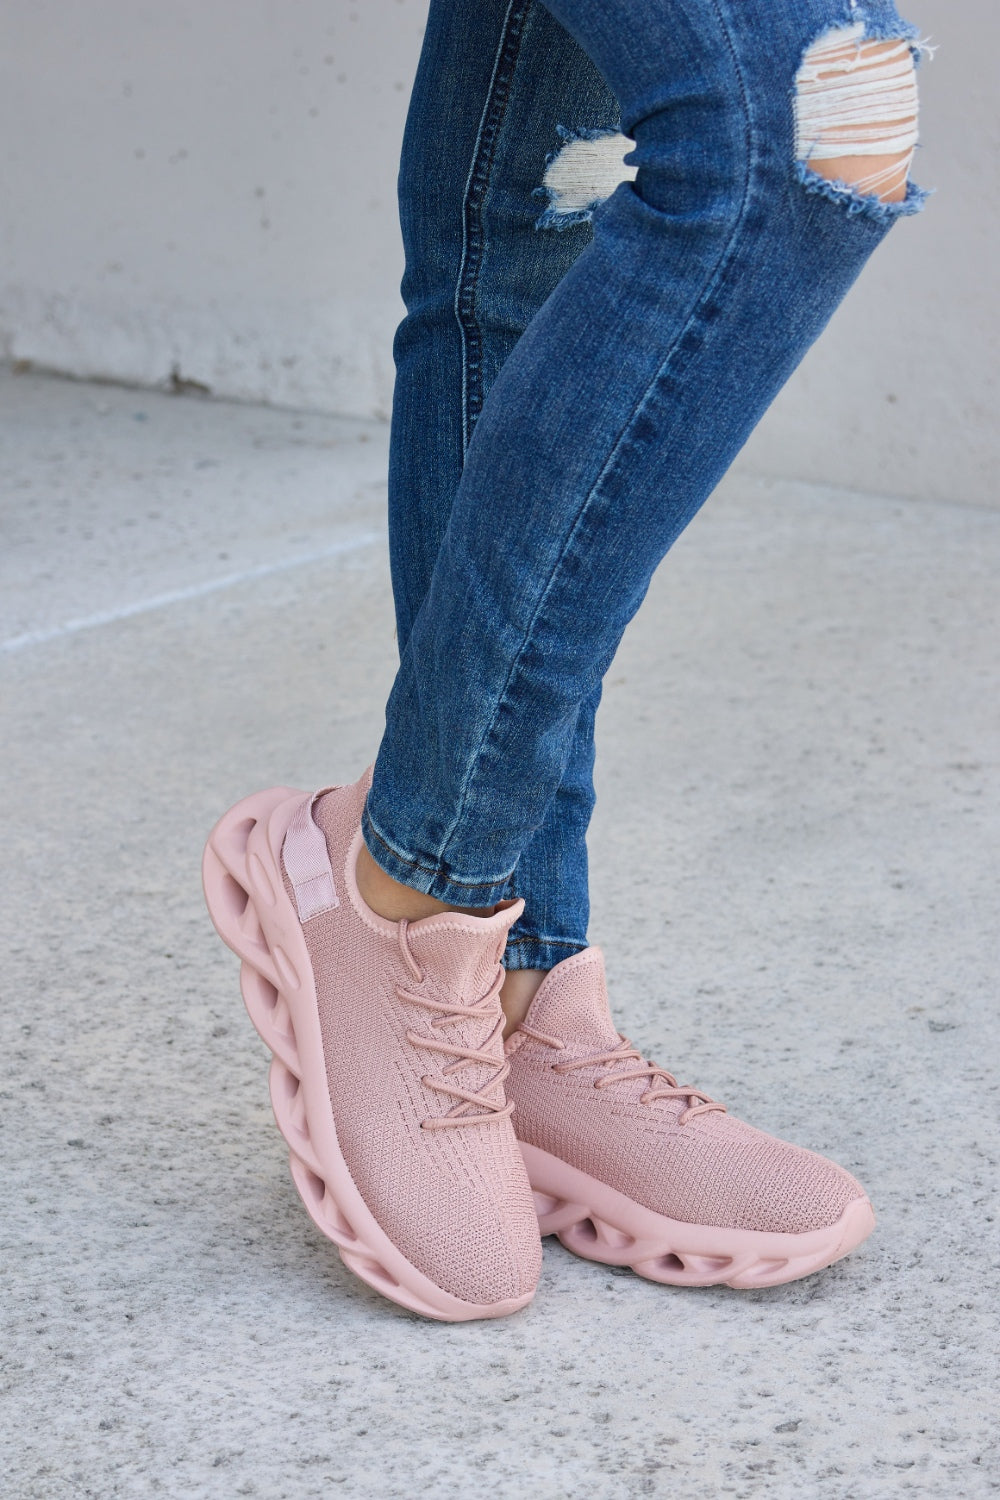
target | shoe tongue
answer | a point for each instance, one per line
(572, 1004)
(460, 954)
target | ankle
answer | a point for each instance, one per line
(519, 989)
(390, 899)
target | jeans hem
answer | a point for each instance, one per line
(427, 875)
(539, 952)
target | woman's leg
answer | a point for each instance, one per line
(618, 410)
(609, 422)
(773, 144)
(504, 101)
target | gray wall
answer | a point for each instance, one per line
(211, 189)
(206, 184)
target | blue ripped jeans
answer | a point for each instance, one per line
(579, 364)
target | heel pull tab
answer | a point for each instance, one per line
(307, 862)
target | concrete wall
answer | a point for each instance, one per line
(206, 186)
(209, 190)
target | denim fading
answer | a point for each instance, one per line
(570, 389)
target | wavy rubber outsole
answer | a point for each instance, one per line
(249, 906)
(598, 1223)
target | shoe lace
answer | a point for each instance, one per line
(662, 1085)
(448, 1011)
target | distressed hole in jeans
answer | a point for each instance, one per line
(856, 114)
(581, 173)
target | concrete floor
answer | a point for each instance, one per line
(794, 869)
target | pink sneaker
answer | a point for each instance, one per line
(630, 1169)
(388, 1073)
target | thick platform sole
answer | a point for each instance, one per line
(598, 1223)
(249, 906)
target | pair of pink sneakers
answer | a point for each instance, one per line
(432, 1153)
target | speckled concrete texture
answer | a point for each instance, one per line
(794, 870)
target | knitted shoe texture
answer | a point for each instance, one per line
(630, 1168)
(389, 1070)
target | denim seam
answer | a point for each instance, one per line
(711, 281)
(481, 166)
(549, 942)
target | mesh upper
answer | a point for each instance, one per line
(455, 1201)
(713, 1170)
